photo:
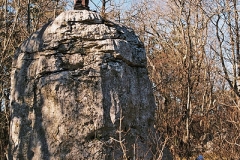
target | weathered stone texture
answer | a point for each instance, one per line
(75, 82)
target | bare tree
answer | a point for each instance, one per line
(181, 64)
(225, 24)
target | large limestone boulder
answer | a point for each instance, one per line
(80, 90)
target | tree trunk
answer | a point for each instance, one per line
(103, 10)
(29, 18)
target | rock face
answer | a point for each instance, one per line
(80, 90)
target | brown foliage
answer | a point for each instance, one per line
(193, 53)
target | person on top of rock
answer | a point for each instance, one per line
(81, 4)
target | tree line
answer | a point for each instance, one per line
(193, 53)
(194, 63)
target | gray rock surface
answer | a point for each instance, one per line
(80, 90)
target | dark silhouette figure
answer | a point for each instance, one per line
(81, 4)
